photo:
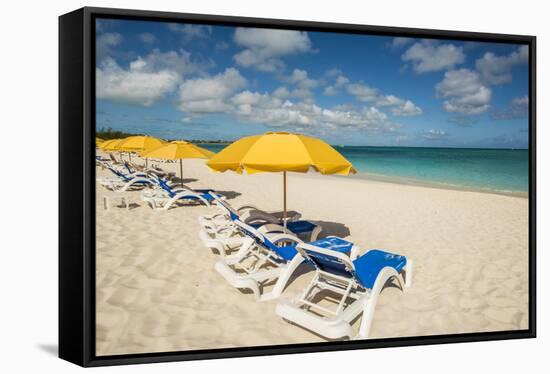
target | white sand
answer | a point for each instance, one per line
(157, 289)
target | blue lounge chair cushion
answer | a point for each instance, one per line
(297, 227)
(334, 244)
(205, 194)
(287, 252)
(369, 265)
(329, 263)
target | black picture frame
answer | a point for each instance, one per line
(77, 186)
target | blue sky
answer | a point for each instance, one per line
(211, 82)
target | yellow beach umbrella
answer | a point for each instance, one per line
(280, 152)
(112, 145)
(177, 150)
(140, 143)
(98, 141)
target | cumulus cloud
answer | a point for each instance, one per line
(400, 42)
(464, 93)
(519, 108)
(362, 92)
(189, 31)
(497, 70)
(398, 106)
(264, 48)
(105, 42)
(281, 92)
(462, 120)
(135, 85)
(270, 110)
(210, 94)
(178, 61)
(339, 81)
(434, 134)
(428, 56)
(147, 37)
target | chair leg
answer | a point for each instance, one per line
(283, 279)
(372, 299)
(408, 273)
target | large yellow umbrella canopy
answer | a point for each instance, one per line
(280, 152)
(177, 150)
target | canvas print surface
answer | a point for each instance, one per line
(261, 187)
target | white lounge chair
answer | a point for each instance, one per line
(165, 196)
(352, 283)
(261, 261)
(248, 214)
(228, 236)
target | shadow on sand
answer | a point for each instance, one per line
(332, 228)
(229, 194)
(177, 180)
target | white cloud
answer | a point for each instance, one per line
(401, 42)
(135, 85)
(210, 94)
(519, 108)
(281, 92)
(190, 31)
(339, 81)
(105, 42)
(331, 91)
(147, 38)
(521, 101)
(429, 56)
(265, 47)
(178, 61)
(272, 111)
(434, 134)
(464, 92)
(300, 78)
(497, 69)
(399, 107)
(362, 92)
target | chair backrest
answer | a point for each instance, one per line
(233, 214)
(286, 253)
(118, 173)
(328, 260)
(165, 186)
(127, 166)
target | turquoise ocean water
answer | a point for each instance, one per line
(491, 170)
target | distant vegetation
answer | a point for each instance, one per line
(198, 141)
(108, 133)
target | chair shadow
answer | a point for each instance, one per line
(183, 180)
(332, 228)
(229, 194)
(50, 349)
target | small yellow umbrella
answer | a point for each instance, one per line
(140, 143)
(280, 151)
(177, 150)
(111, 145)
(98, 141)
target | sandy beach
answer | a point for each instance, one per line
(157, 289)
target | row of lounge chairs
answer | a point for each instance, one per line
(262, 253)
(257, 253)
(160, 194)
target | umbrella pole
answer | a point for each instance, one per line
(146, 163)
(284, 199)
(181, 174)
